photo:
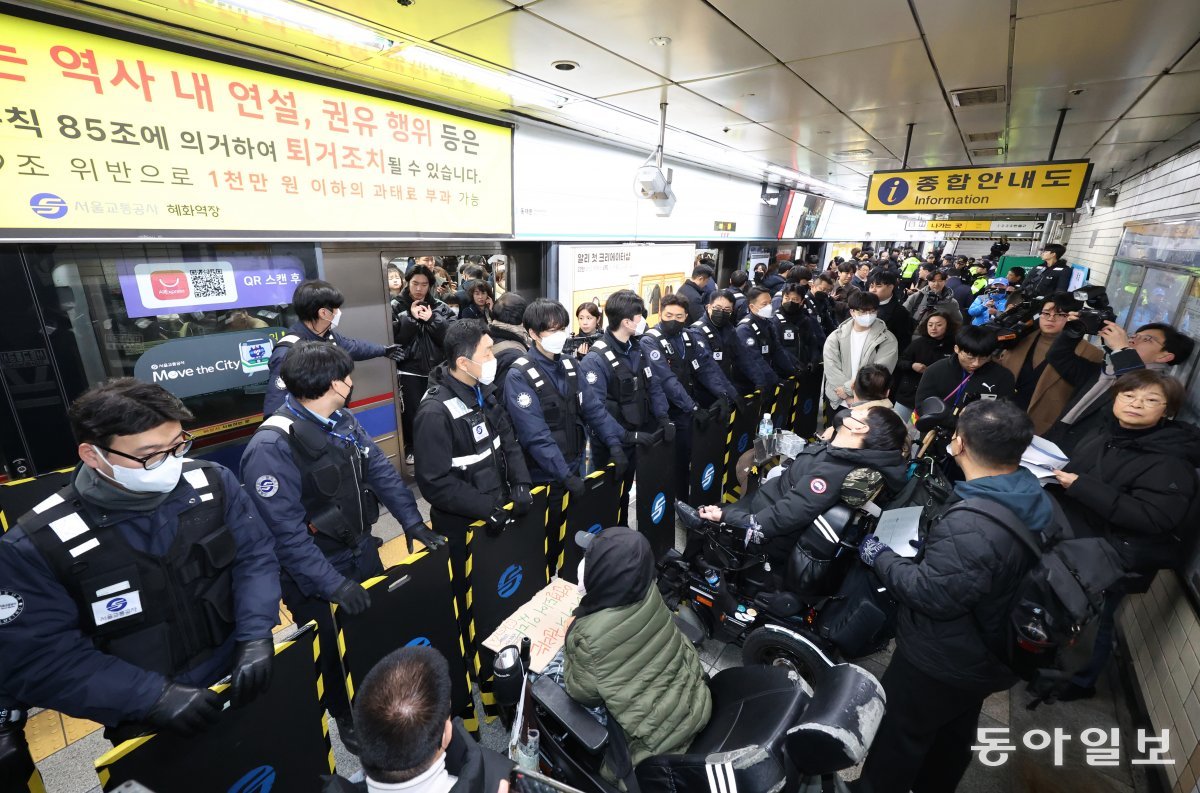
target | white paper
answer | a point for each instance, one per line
(898, 528)
(1042, 459)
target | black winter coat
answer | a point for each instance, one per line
(922, 350)
(943, 376)
(695, 299)
(422, 341)
(1135, 488)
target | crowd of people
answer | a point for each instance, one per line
(502, 394)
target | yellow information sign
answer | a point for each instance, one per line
(101, 137)
(1027, 186)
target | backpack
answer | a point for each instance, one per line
(928, 488)
(1058, 596)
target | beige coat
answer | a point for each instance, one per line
(1052, 393)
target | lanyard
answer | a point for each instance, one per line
(328, 427)
(959, 388)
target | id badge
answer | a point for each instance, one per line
(765, 349)
(649, 372)
(116, 607)
(789, 335)
(696, 364)
(719, 355)
(479, 429)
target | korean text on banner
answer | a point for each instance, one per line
(101, 137)
(1027, 186)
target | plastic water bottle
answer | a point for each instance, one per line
(766, 427)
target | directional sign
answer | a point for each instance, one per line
(1013, 186)
(1003, 226)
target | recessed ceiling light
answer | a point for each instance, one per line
(565, 66)
(1076, 91)
(822, 132)
(660, 41)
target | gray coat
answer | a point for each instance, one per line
(881, 348)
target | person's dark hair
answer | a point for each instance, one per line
(872, 382)
(462, 339)
(951, 325)
(1058, 250)
(312, 296)
(885, 277)
(592, 309)
(826, 278)
(1174, 342)
(1171, 388)
(477, 285)
(311, 366)
(847, 267)
(421, 269)
(123, 406)
(862, 301)
(812, 259)
(451, 299)
(929, 267)
(510, 308)
(395, 267)
(1063, 301)
(702, 271)
(978, 340)
(724, 294)
(940, 275)
(792, 289)
(400, 713)
(863, 263)
(622, 305)
(755, 293)
(799, 273)
(545, 314)
(1019, 272)
(887, 431)
(996, 432)
(474, 272)
(738, 279)
(673, 300)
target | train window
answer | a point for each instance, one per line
(1159, 300)
(199, 319)
(1122, 287)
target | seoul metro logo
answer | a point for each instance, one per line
(510, 581)
(420, 641)
(116, 604)
(892, 191)
(48, 206)
(706, 479)
(658, 508)
(259, 780)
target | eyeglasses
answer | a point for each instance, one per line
(966, 356)
(152, 461)
(1146, 337)
(1129, 397)
(1054, 314)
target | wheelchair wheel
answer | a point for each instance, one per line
(781, 647)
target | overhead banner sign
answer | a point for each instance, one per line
(101, 137)
(1000, 226)
(1025, 186)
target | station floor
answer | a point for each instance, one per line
(64, 748)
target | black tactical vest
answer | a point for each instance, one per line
(628, 397)
(683, 362)
(716, 346)
(475, 443)
(561, 411)
(163, 614)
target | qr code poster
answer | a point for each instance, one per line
(156, 288)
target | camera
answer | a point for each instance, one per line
(1096, 309)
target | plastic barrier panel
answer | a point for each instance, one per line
(279, 741)
(592, 512)
(21, 495)
(17, 771)
(706, 477)
(785, 404)
(808, 404)
(739, 441)
(412, 605)
(656, 495)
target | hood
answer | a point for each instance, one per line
(618, 568)
(889, 463)
(1174, 438)
(503, 330)
(1020, 491)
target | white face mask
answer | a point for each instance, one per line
(554, 342)
(766, 312)
(640, 328)
(579, 578)
(337, 317)
(487, 371)
(138, 480)
(864, 320)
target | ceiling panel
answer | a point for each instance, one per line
(1039, 138)
(1116, 155)
(818, 129)
(422, 20)
(985, 118)
(1174, 93)
(931, 118)
(1103, 101)
(830, 146)
(894, 74)
(749, 137)
(703, 44)
(1156, 128)
(771, 94)
(525, 43)
(1190, 62)
(685, 110)
(1094, 43)
(793, 30)
(798, 158)
(983, 23)
(1033, 153)
(1029, 8)
(929, 146)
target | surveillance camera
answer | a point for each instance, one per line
(664, 202)
(650, 181)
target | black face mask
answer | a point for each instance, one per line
(789, 310)
(348, 397)
(720, 319)
(670, 326)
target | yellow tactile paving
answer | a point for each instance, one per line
(78, 728)
(395, 551)
(45, 734)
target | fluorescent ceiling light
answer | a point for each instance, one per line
(515, 87)
(312, 20)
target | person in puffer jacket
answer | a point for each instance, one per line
(624, 651)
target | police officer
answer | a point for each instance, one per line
(679, 362)
(716, 328)
(803, 341)
(544, 396)
(739, 281)
(318, 307)
(624, 384)
(317, 480)
(469, 462)
(760, 361)
(150, 577)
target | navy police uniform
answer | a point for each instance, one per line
(722, 346)
(317, 483)
(760, 361)
(803, 341)
(359, 350)
(100, 608)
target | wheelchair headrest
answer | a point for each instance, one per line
(826, 530)
(840, 722)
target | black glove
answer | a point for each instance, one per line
(702, 417)
(427, 537)
(668, 429)
(251, 669)
(184, 709)
(395, 352)
(522, 501)
(642, 439)
(352, 597)
(742, 404)
(574, 486)
(619, 460)
(497, 522)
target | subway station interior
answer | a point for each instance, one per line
(174, 172)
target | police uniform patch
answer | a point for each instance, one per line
(266, 485)
(818, 485)
(591, 377)
(655, 355)
(11, 606)
(750, 342)
(524, 399)
(279, 384)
